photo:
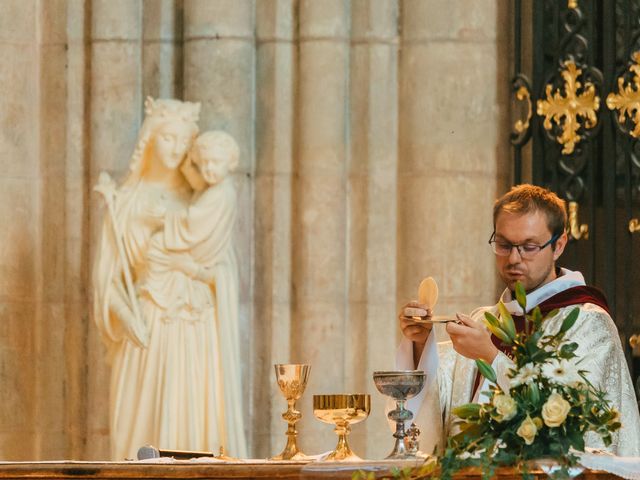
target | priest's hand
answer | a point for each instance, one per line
(418, 333)
(471, 339)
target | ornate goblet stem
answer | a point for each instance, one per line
(400, 415)
(291, 416)
(292, 380)
(342, 451)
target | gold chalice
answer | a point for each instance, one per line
(342, 411)
(292, 380)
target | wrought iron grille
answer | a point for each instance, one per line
(576, 130)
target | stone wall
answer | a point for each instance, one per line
(374, 139)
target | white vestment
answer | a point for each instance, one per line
(451, 377)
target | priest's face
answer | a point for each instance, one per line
(528, 230)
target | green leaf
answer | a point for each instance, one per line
(490, 319)
(536, 316)
(552, 313)
(496, 330)
(362, 475)
(535, 338)
(472, 431)
(570, 319)
(468, 410)
(534, 393)
(486, 370)
(566, 351)
(576, 439)
(521, 296)
(506, 321)
(539, 356)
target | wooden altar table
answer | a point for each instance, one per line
(222, 471)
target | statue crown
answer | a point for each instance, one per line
(165, 107)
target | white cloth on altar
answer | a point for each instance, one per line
(625, 467)
(450, 376)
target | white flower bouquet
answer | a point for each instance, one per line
(549, 407)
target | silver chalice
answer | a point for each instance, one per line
(400, 385)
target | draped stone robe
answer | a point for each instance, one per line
(181, 388)
(451, 377)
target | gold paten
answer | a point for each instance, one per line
(292, 380)
(634, 225)
(523, 94)
(627, 100)
(565, 110)
(342, 410)
(575, 230)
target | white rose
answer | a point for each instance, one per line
(506, 407)
(555, 410)
(527, 430)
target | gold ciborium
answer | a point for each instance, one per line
(342, 410)
(292, 380)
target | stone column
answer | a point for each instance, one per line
(372, 204)
(20, 215)
(320, 327)
(219, 71)
(162, 48)
(116, 114)
(77, 261)
(275, 24)
(51, 412)
(448, 143)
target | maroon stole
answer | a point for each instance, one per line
(571, 296)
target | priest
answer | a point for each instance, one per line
(528, 238)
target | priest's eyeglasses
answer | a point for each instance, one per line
(526, 251)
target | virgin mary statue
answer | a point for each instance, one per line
(160, 325)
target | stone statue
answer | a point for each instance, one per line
(166, 289)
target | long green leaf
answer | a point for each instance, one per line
(498, 332)
(468, 410)
(570, 319)
(491, 318)
(534, 393)
(536, 316)
(521, 296)
(506, 321)
(486, 370)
